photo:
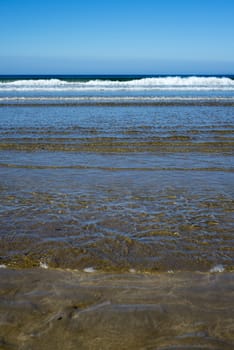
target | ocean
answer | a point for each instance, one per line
(150, 90)
(122, 181)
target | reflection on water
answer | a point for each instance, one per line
(118, 188)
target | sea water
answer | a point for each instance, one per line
(117, 173)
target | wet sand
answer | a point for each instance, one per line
(62, 309)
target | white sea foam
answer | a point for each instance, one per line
(36, 82)
(145, 84)
(116, 98)
(44, 265)
(89, 270)
(132, 270)
(3, 266)
(217, 268)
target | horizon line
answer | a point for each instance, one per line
(115, 74)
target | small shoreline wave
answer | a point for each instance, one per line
(116, 98)
(219, 268)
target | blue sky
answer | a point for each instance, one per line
(116, 36)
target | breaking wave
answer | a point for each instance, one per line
(156, 83)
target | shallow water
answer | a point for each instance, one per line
(115, 188)
(49, 309)
(121, 191)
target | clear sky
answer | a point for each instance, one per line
(116, 36)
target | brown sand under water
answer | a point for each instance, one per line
(64, 309)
